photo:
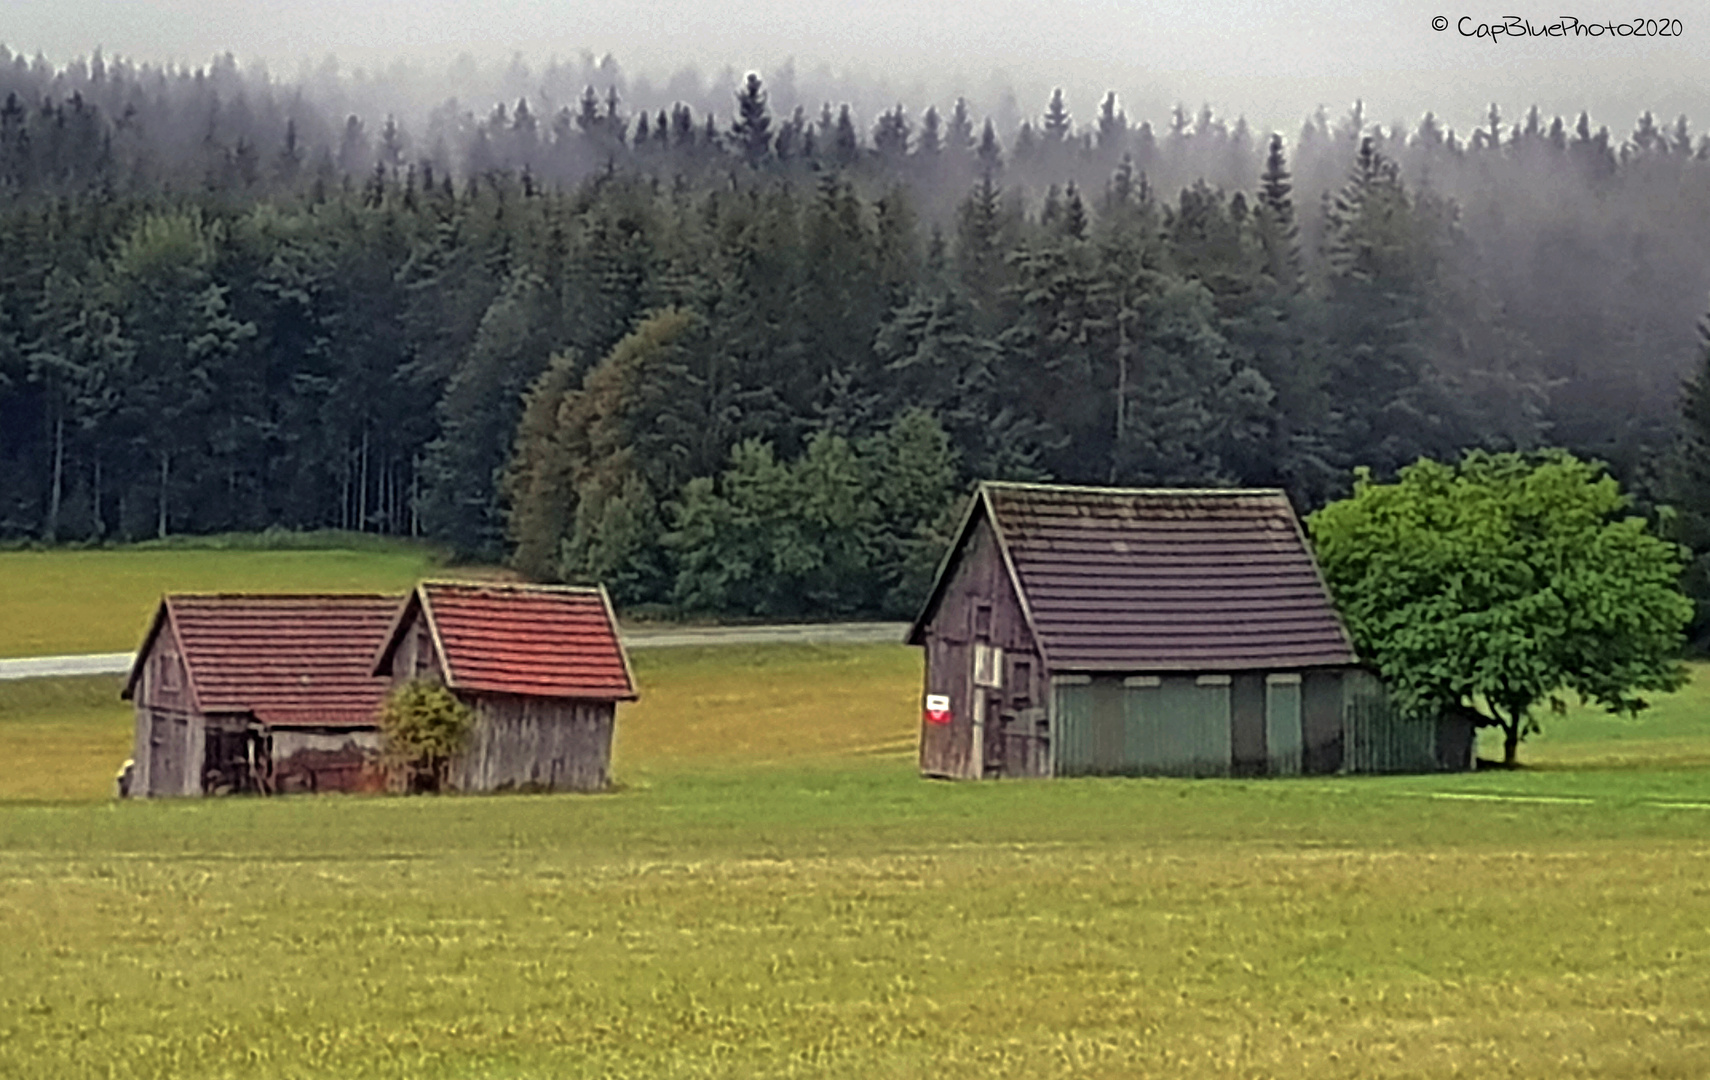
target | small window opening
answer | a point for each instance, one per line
(1021, 682)
(168, 662)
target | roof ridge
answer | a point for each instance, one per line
(1080, 489)
(519, 586)
(225, 595)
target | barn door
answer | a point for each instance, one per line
(1072, 749)
(169, 748)
(985, 755)
(1189, 733)
(1282, 724)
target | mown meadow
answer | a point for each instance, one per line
(65, 601)
(772, 892)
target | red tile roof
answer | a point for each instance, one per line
(547, 641)
(289, 660)
(1162, 580)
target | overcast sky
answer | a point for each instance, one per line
(1273, 63)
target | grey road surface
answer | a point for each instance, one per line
(862, 633)
(35, 667)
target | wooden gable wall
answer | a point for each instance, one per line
(170, 735)
(993, 730)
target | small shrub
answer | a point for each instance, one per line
(422, 727)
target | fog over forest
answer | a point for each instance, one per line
(648, 329)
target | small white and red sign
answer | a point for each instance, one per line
(938, 708)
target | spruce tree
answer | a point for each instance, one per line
(891, 137)
(931, 141)
(1112, 128)
(845, 142)
(1278, 232)
(1057, 120)
(990, 154)
(1687, 486)
(959, 135)
(752, 130)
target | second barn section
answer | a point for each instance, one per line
(1084, 631)
(540, 666)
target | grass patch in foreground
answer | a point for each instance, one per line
(93, 601)
(772, 892)
(857, 923)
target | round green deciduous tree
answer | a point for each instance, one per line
(422, 727)
(1500, 583)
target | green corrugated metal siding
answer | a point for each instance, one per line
(1181, 726)
(1376, 737)
(1282, 727)
(1199, 711)
(1172, 727)
(1072, 736)
(1146, 735)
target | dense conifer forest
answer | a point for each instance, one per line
(747, 359)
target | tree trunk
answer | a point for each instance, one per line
(362, 492)
(95, 498)
(1121, 392)
(51, 533)
(1511, 743)
(165, 477)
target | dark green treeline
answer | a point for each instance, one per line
(751, 368)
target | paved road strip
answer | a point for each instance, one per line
(862, 633)
(39, 667)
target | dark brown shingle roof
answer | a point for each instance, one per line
(287, 660)
(1164, 580)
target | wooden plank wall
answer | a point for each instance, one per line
(314, 760)
(1014, 738)
(169, 732)
(542, 743)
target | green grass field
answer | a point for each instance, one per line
(772, 892)
(63, 601)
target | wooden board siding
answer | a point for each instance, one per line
(308, 761)
(414, 658)
(518, 741)
(168, 754)
(994, 731)
(168, 750)
(550, 744)
(1457, 741)
(165, 679)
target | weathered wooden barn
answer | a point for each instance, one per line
(542, 668)
(1080, 631)
(258, 693)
